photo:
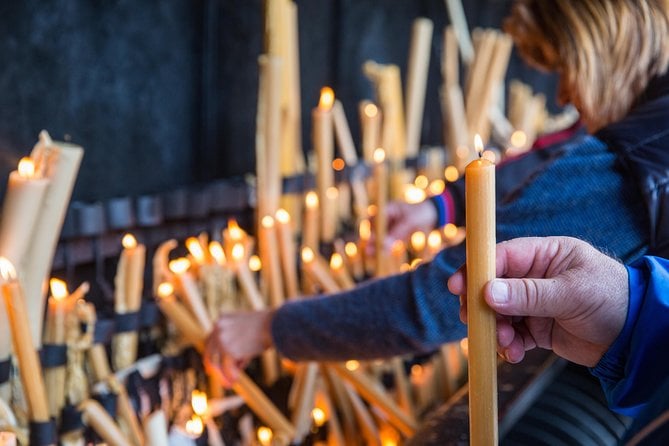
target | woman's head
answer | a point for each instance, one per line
(605, 51)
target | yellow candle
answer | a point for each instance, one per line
(340, 272)
(245, 278)
(310, 235)
(29, 363)
(287, 250)
(318, 272)
(370, 125)
(271, 260)
(189, 292)
(179, 315)
(480, 239)
(381, 219)
(355, 259)
(54, 378)
(323, 141)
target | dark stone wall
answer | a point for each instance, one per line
(162, 94)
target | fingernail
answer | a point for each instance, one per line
(500, 292)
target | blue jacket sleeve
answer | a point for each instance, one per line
(637, 364)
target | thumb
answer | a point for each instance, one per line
(525, 297)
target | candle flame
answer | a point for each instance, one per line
(216, 251)
(311, 200)
(267, 222)
(338, 164)
(318, 415)
(371, 110)
(26, 167)
(238, 252)
(518, 139)
(336, 261)
(198, 400)
(352, 365)
(421, 181)
(327, 98)
(165, 289)
(129, 241)
(365, 229)
(416, 370)
(255, 264)
(413, 194)
(418, 241)
(195, 248)
(234, 231)
(7, 270)
(451, 174)
(58, 288)
(307, 255)
(450, 231)
(436, 187)
(351, 249)
(195, 426)
(180, 265)
(265, 435)
(282, 216)
(478, 144)
(379, 155)
(434, 239)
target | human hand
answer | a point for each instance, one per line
(404, 219)
(556, 293)
(235, 340)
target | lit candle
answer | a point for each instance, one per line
(201, 408)
(480, 240)
(189, 292)
(54, 377)
(179, 315)
(381, 219)
(128, 285)
(340, 272)
(434, 242)
(319, 273)
(287, 250)
(364, 234)
(271, 260)
(418, 242)
(29, 363)
(60, 163)
(323, 141)
(245, 278)
(370, 126)
(355, 259)
(310, 235)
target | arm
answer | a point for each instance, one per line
(636, 364)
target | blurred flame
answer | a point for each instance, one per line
(195, 248)
(180, 265)
(26, 167)
(129, 241)
(58, 288)
(307, 255)
(165, 289)
(327, 98)
(7, 270)
(379, 155)
(199, 402)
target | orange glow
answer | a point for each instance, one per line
(518, 139)
(237, 252)
(434, 239)
(338, 164)
(216, 251)
(282, 216)
(180, 265)
(267, 222)
(327, 98)
(352, 365)
(379, 155)
(165, 289)
(58, 288)
(371, 110)
(26, 168)
(198, 400)
(451, 174)
(398, 248)
(436, 187)
(195, 426)
(421, 181)
(365, 229)
(336, 261)
(195, 248)
(450, 231)
(418, 240)
(234, 231)
(129, 241)
(464, 347)
(265, 435)
(255, 264)
(351, 249)
(413, 194)
(311, 200)
(318, 416)
(307, 255)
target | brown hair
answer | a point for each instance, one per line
(606, 51)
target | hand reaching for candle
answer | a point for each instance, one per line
(404, 219)
(235, 340)
(556, 293)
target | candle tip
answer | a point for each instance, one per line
(7, 270)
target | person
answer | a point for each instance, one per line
(592, 188)
(561, 294)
